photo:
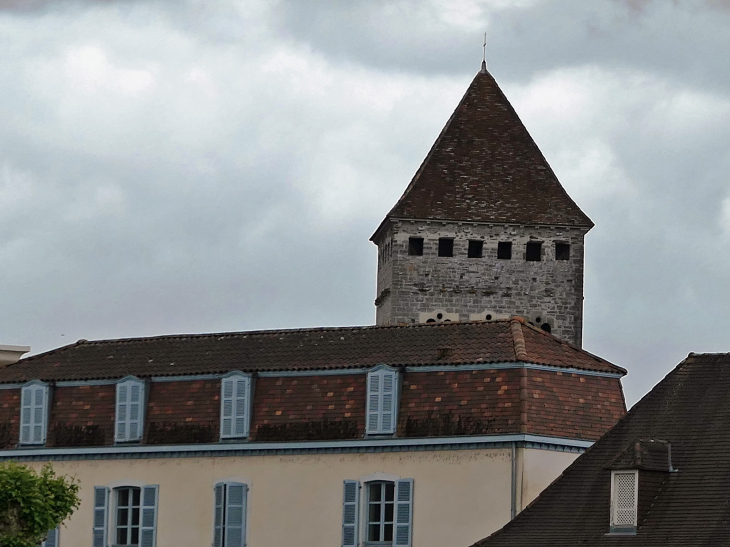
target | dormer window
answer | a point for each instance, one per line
(129, 423)
(33, 413)
(382, 401)
(624, 501)
(235, 405)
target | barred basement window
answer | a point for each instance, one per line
(415, 246)
(624, 500)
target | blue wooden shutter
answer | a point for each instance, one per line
(121, 415)
(240, 428)
(101, 505)
(235, 394)
(51, 538)
(148, 525)
(218, 524)
(33, 414)
(134, 411)
(388, 402)
(373, 421)
(129, 415)
(350, 513)
(403, 513)
(235, 518)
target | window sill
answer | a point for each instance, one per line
(618, 532)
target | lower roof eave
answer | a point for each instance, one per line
(263, 448)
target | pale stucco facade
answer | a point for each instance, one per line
(459, 496)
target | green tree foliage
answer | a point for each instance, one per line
(33, 503)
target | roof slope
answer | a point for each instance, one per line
(305, 349)
(485, 167)
(690, 408)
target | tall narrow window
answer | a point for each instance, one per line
(562, 251)
(533, 251)
(380, 507)
(475, 248)
(130, 410)
(382, 403)
(135, 518)
(33, 413)
(230, 514)
(235, 403)
(624, 500)
(415, 246)
(446, 246)
(504, 250)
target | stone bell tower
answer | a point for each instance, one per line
(484, 230)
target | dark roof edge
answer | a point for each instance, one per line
(634, 409)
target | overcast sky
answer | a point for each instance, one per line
(201, 166)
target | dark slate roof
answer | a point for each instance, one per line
(651, 455)
(485, 167)
(690, 409)
(305, 349)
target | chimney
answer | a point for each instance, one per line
(11, 354)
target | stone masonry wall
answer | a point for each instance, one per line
(414, 289)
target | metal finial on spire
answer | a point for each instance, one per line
(484, 58)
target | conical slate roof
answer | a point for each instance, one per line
(485, 167)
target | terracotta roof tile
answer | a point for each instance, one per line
(304, 349)
(485, 167)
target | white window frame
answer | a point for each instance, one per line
(381, 521)
(240, 381)
(124, 436)
(624, 528)
(105, 512)
(28, 394)
(376, 401)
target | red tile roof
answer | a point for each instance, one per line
(306, 349)
(485, 167)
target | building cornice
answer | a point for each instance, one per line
(303, 447)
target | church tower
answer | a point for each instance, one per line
(484, 230)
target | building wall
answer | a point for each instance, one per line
(472, 288)
(460, 496)
(538, 469)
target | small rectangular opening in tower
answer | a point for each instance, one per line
(446, 246)
(562, 251)
(475, 248)
(415, 246)
(504, 250)
(533, 249)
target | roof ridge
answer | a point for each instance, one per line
(518, 338)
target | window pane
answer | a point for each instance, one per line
(135, 536)
(374, 513)
(135, 496)
(388, 532)
(389, 491)
(135, 516)
(122, 536)
(123, 498)
(375, 491)
(374, 532)
(122, 515)
(388, 512)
